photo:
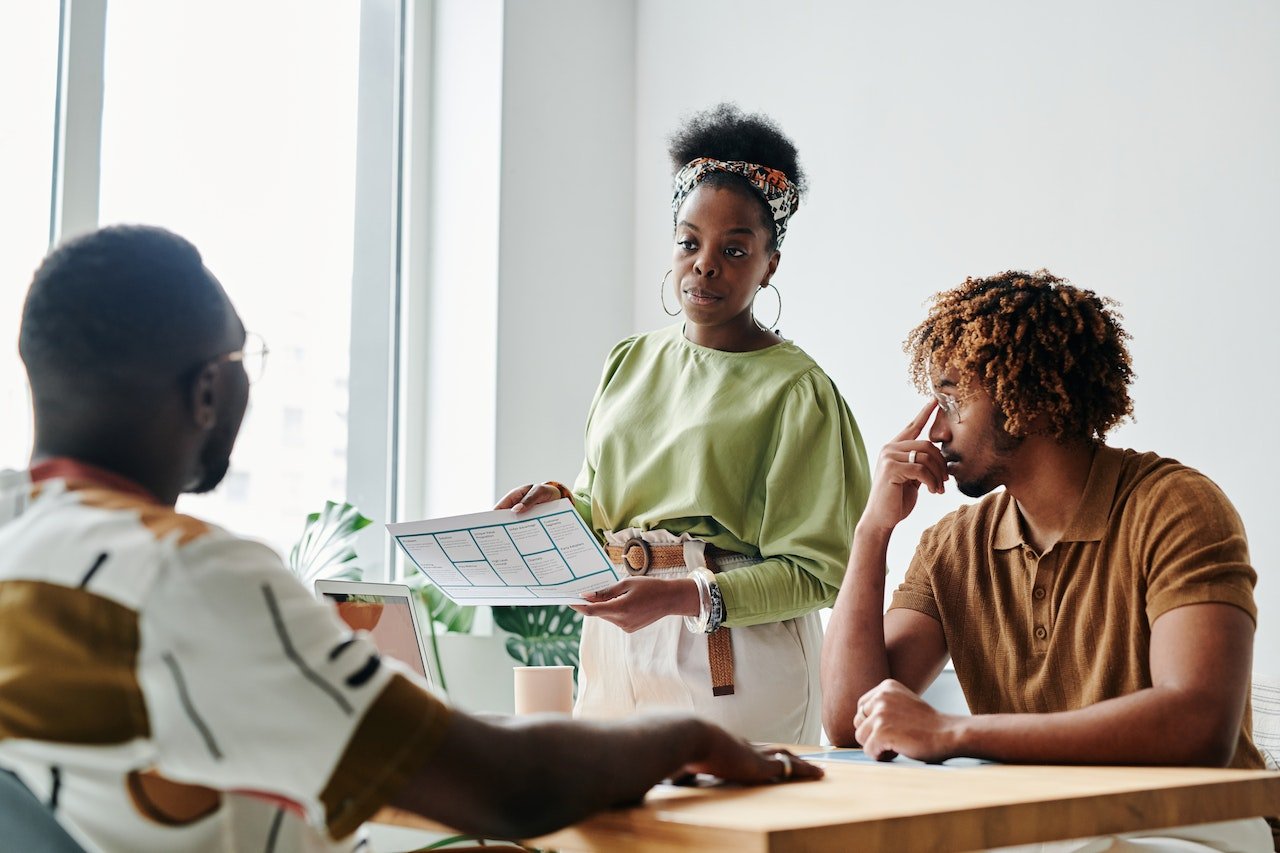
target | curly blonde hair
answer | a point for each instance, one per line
(1041, 347)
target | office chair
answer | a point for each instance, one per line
(26, 823)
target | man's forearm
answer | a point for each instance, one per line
(522, 777)
(1200, 661)
(642, 752)
(854, 658)
(1159, 725)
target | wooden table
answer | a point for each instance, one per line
(869, 807)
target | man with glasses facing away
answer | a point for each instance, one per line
(1098, 610)
(165, 685)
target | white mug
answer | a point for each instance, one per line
(543, 689)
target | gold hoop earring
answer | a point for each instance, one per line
(774, 325)
(662, 296)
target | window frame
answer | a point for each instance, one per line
(375, 421)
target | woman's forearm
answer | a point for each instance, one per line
(772, 591)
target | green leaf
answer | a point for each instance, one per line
(546, 635)
(327, 546)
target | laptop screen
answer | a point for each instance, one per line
(389, 621)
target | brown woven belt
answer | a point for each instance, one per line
(639, 556)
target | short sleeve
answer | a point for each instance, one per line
(1194, 548)
(252, 685)
(814, 491)
(916, 592)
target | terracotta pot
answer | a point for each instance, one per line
(360, 615)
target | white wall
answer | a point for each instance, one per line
(568, 148)
(457, 373)
(532, 217)
(1134, 148)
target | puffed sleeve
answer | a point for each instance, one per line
(582, 487)
(814, 491)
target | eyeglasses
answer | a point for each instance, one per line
(950, 404)
(253, 355)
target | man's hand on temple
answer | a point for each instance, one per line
(904, 465)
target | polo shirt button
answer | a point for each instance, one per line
(1041, 633)
(1039, 592)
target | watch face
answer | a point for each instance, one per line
(716, 616)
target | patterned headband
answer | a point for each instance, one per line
(779, 193)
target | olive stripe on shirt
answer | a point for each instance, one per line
(68, 666)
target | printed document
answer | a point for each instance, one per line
(544, 555)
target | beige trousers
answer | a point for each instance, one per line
(664, 666)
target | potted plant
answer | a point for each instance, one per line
(326, 549)
(546, 635)
(534, 636)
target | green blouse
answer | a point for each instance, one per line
(754, 452)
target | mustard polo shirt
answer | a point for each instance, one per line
(1039, 633)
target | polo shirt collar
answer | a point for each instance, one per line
(1008, 525)
(1090, 521)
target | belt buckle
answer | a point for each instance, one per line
(646, 556)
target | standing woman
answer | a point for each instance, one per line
(723, 468)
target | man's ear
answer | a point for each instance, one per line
(202, 397)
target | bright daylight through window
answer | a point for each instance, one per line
(233, 123)
(29, 53)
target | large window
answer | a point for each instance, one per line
(267, 134)
(29, 65)
(233, 122)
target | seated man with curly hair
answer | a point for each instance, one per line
(1098, 610)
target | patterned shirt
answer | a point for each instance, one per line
(167, 686)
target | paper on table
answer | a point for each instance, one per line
(857, 756)
(544, 555)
